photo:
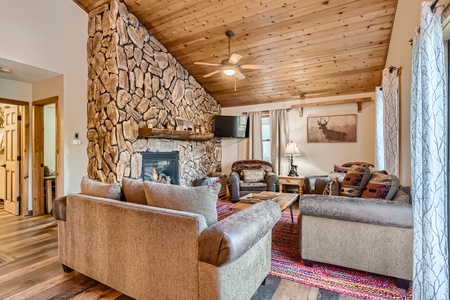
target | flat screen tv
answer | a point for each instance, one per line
(231, 126)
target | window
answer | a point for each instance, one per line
(266, 144)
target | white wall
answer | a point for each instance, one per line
(52, 35)
(400, 55)
(316, 158)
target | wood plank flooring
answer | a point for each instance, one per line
(29, 268)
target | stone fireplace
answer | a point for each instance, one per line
(134, 82)
(161, 166)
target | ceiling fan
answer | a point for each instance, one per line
(230, 66)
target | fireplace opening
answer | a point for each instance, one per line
(161, 167)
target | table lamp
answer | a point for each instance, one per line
(291, 149)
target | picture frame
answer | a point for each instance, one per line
(183, 124)
(332, 129)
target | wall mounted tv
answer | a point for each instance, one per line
(231, 126)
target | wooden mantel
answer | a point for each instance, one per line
(174, 134)
(358, 102)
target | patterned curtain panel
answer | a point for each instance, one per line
(254, 147)
(278, 137)
(429, 155)
(379, 129)
(386, 148)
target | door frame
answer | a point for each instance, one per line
(24, 152)
(38, 152)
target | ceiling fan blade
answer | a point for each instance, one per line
(206, 64)
(252, 67)
(234, 58)
(212, 73)
(239, 75)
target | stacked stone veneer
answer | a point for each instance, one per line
(133, 81)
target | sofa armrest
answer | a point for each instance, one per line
(59, 208)
(272, 180)
(310, 182)
(230, 238)
(233, 184)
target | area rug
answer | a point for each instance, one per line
(287, 264)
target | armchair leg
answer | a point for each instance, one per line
(308, 263)
(403, 283)
(67, 269)
(264, 281)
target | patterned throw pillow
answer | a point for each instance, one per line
(253, 175)
(381, 186)
(355, 180)
(332, 188)
(340, 169)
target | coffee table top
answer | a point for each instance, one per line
(284, 200)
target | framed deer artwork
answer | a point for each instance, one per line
(332, 129)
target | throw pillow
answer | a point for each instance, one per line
(381, 186)
(96, 188)
(340, 169)
(354, 181)
(134, 191)
(250, 176)
(200, 200)
(332, 187)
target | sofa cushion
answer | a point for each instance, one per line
(332, 187)
(133, 190)
(381, 186)
(253, 186)
(200, 200)
(354, 181)
(250, 176)
(96, 188)
(401, 197)
(340, 169)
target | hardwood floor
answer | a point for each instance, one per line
(29, 268)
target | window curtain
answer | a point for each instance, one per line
(254, 148)
(278, 137)
(429, 155)
(386, 147)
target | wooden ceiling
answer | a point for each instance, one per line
(309, 48)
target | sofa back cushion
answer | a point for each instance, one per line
(355, 180)
(250, 176)
(200, 200)
(96, 188)
(381, 186)
(133, 190)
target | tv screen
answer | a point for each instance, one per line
(231, 126)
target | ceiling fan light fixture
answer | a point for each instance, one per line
(229, 72)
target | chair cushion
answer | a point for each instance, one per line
(250, 176)
(340, 169)
(355, 180)
(381, 186)
(134, 191)
(200, 200)
(253, 186)
(96, 188)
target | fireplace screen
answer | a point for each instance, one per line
(160, 167)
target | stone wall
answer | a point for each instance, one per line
(133, 82)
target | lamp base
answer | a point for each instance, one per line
(293, 171)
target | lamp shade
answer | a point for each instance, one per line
(291, 149)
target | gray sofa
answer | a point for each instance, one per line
(366, 234)
(149, 252)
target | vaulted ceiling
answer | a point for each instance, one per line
(309, 48)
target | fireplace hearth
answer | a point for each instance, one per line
(161, 167)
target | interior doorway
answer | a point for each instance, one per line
(14, 134)
(45, 154)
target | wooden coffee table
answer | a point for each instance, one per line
(284, 200)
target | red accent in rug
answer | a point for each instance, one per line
(287, 264)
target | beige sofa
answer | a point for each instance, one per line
(366, 234)
(149, 252)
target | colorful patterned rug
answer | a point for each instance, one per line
(287, 264)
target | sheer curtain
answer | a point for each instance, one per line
(254, 148)
(279, 137)
(386, 147)
(429, 155)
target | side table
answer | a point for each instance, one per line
(291, 180)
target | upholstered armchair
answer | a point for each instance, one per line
(249, 176)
